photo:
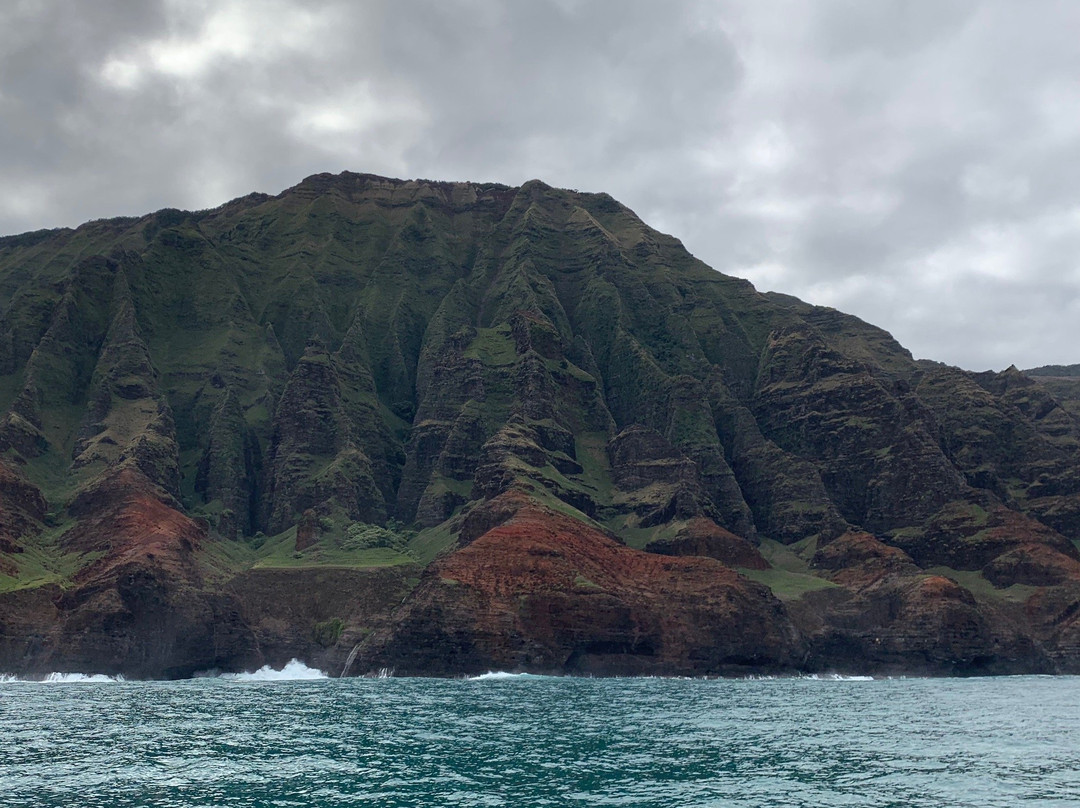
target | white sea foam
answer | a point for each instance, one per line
(495, 676)
(294, 670)
(72, 678)
(57, 677)
(811, 677)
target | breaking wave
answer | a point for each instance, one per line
(294, 670)
(496, 676)
(813, 677)
(63, 678)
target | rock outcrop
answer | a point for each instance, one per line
(542, 592)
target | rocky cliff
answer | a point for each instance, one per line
(448, 427)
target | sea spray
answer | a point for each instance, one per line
(504, 676)
(61, 678)
(294, 670)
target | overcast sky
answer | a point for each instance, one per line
(914, 163)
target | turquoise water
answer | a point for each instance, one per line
(524, 741)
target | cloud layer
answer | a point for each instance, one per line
(915, 164)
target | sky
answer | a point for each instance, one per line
(913, 163)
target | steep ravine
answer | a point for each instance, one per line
(445, 427)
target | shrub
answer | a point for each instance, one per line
(327, 633)
(361, 536)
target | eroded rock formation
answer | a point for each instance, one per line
(444, 427)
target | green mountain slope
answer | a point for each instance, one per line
(369, 380)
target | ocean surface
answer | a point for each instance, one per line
(287, 739)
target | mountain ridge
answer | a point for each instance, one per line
(372, 376)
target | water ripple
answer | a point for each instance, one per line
(514, 741)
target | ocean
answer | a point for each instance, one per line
(295, 738)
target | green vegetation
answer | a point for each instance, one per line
(982, 588)
(356, 545)
(360, 545)
(790, 576)
(591, 450)
(794, 558)
(493, 346)
(431, 542)
(328, 632)
(361, 358)
(44, 561)
(359, 536)
(581, 582)
(639, 538)
(787, 586)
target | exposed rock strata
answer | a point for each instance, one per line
(542, 592)
(280, 427)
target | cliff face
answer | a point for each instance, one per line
(448, 427)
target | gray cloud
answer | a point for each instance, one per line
(915, 164)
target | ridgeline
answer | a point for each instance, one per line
(443, 428)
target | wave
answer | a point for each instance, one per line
(56, 677)
(813, 677)
(498, 676)
(294, 670)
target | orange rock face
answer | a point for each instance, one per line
(544, 592)
(141, 608)
(857, 559)
(703, 537)
(131, 524)
(1034, 565)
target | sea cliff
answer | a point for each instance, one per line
(442, 428)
